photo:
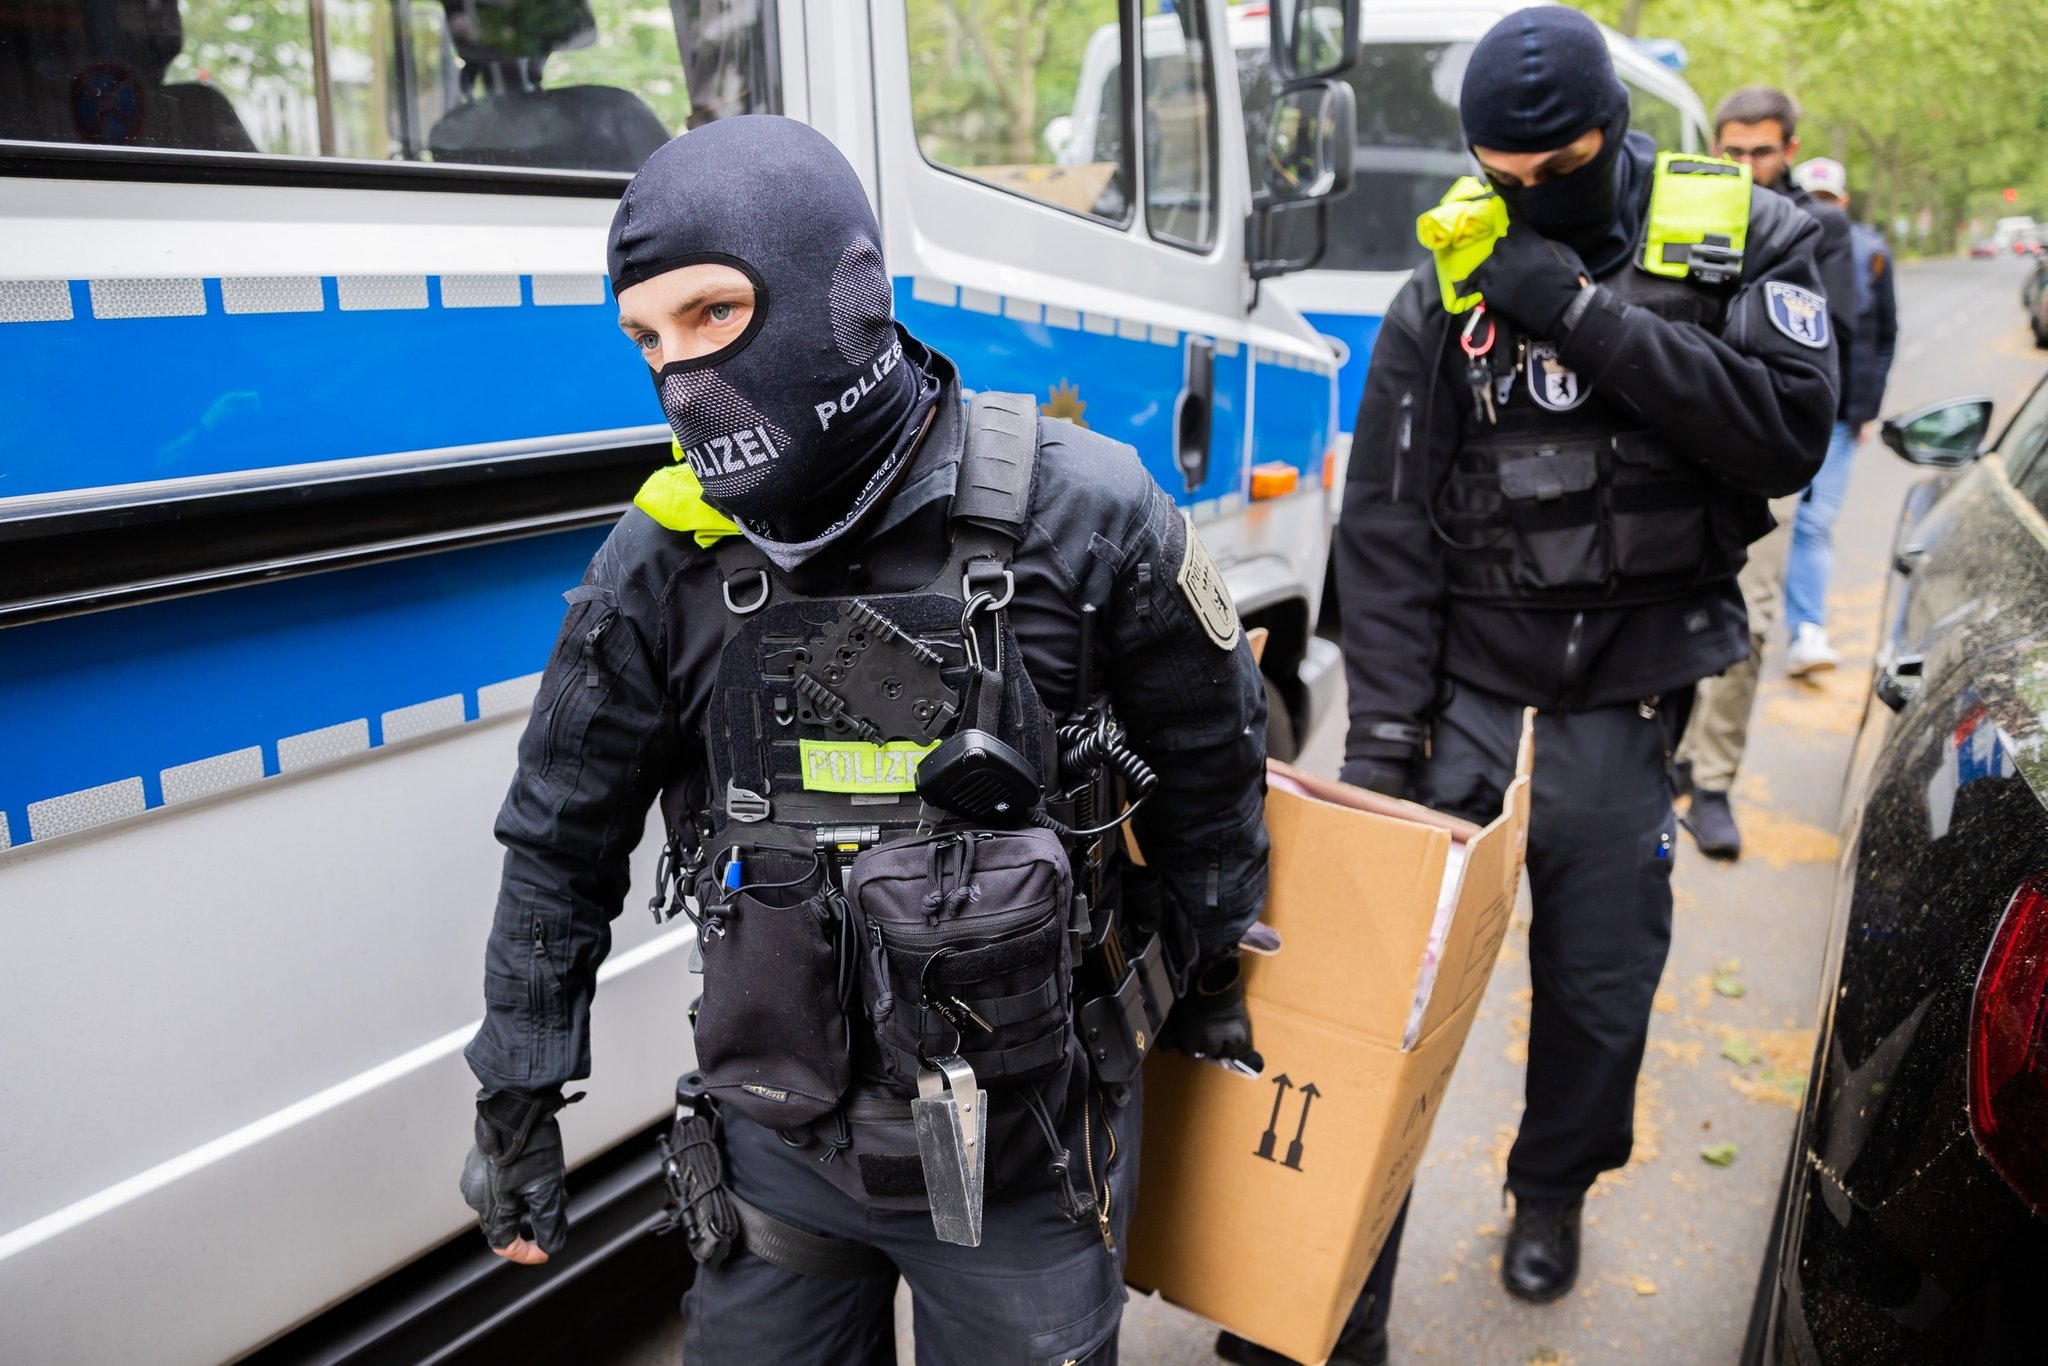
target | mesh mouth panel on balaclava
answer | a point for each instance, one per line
(800, 425)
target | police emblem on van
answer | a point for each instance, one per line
(1799, 313)
(1551, 383)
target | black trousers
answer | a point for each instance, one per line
(1039, 1291)
(1601, 845)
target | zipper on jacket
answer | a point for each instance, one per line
(590, 639)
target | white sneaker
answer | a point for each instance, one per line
(1810, 652)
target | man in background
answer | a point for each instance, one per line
(1759, 125)
(1866, 365)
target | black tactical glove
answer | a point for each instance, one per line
(1531, 279)
(515, 1172)
(1388, 777)
(1211, 1020)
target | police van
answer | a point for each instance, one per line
(1412, 57)
(314, 406)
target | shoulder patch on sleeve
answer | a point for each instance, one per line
(1799, 313)
(1203, 584)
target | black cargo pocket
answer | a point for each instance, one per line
(1087, 1339)
(771, 1028)
(1659, 508)
(504, 1046)
(966, 951)
(1553, 504)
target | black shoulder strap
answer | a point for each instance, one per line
(994, 488)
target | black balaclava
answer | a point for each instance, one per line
(803, 423)
(1539, 80)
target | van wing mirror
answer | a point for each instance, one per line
(1945, 435)
(1311, 142)
(1311, 154)
(1313, 39)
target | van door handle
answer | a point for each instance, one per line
(1908, 559)
(1898, 682)
(1193, 413)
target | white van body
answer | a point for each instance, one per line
(297, 464)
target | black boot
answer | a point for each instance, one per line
(1542, 1256)
(1368, 1349)
(1712, 823)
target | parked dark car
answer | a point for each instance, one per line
(1912, 1225)
(2034, 298)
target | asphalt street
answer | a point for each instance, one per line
(1672, 1241)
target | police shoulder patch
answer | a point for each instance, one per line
(1203, 584)
(1799, 313)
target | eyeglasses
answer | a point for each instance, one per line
(1752, 153)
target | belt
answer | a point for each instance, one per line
(806, 1254)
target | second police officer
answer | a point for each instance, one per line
(849, 571)
(1567, 439)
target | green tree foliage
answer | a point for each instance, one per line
(988, 75)
(1932, 105)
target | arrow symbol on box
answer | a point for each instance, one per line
(1281, 1085)
(1308, 1098)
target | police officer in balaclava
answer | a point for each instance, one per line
(849, 582)
(1549, 496)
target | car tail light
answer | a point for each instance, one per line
(2009, 1047)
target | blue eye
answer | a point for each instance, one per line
(721, 312)
(647, 341)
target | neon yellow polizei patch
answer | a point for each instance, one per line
(858, 766)
(1694, 198)
(1460, 233)
(675, 498)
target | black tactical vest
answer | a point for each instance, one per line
(1570, 500)
(818, 1005)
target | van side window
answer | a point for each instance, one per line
(581, 85)
(1657, 116)
(1030, 99)
(1180, 124)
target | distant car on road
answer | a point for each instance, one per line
(1983, 251)
(1912, 1225)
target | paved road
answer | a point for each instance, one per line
(1672, 1242)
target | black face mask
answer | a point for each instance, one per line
(801, 425)
(1583, 210)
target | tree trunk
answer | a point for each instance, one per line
(1632, 17)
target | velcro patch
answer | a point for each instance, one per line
(1799, 313)
(858, 766)
(1206, 593)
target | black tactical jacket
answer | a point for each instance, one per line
(1749, 404)
(620, 710)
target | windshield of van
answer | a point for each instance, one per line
(1410, 147)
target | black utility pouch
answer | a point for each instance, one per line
(1553, 503)
(771, 1026)
(966, 951)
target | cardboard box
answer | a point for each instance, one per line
(1264, 1200)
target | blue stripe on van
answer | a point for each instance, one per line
(1356, 333)
(119, 695)
(97, 401)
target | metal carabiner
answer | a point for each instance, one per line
(1472, 329)
(968, 638)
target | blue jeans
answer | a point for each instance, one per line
(1812, 559)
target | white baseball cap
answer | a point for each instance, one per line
(1822, 175)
